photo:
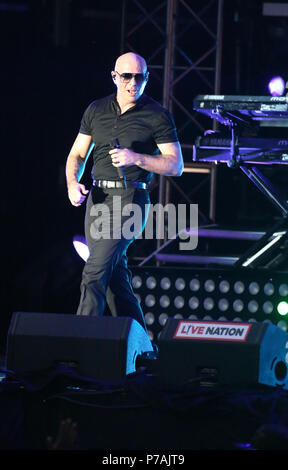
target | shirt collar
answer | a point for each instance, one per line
(140, 102)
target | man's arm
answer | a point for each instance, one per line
(75, 165)
(169, 162)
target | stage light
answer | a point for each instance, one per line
(276, 86)
(149, 318)
(81, 247)
(151, 282)
(193, 317)
(222, 319)
(164, 301)
(282, 308)
(254, 288)
(138, 297)
(150, 300)
(236, 295)
(224, 286)
(208, 318)
(253, 306)
(267, 307)
(238, 305)
(283, 290)
(283, 325)
(180, 284)
(208, 303)
(178, 315)
(193, 303)
(209, 285)
(163, 317)
(136, 282)
(239, 287)
(223, 305)
(165, 283)
(194, 285)
(269, 288)
(179, 301)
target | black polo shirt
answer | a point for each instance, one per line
(140, 129)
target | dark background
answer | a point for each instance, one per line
(54, 62)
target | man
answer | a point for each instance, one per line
(129, 130)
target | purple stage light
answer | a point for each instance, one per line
(81, 247)
(276, 86)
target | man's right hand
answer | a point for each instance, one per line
(77, 194)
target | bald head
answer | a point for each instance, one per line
(130, 62)
(130, 77)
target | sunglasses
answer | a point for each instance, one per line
(139, 77)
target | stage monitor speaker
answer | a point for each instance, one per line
(104, 348)
(226, 353)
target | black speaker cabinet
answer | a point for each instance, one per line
(222, 353)
(104, 348)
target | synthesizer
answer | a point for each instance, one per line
(242, 108)
(217, 148)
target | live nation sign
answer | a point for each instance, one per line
(212, 331)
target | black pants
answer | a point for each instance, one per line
(106, 276)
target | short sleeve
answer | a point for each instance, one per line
(85, 125)
(164, 128)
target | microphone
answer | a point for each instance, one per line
(121, 170)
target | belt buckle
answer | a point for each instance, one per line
(118, 184)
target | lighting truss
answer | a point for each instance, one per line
(186, 45)
(184, 54)
(218, 295)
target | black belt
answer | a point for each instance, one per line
(119, 184)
